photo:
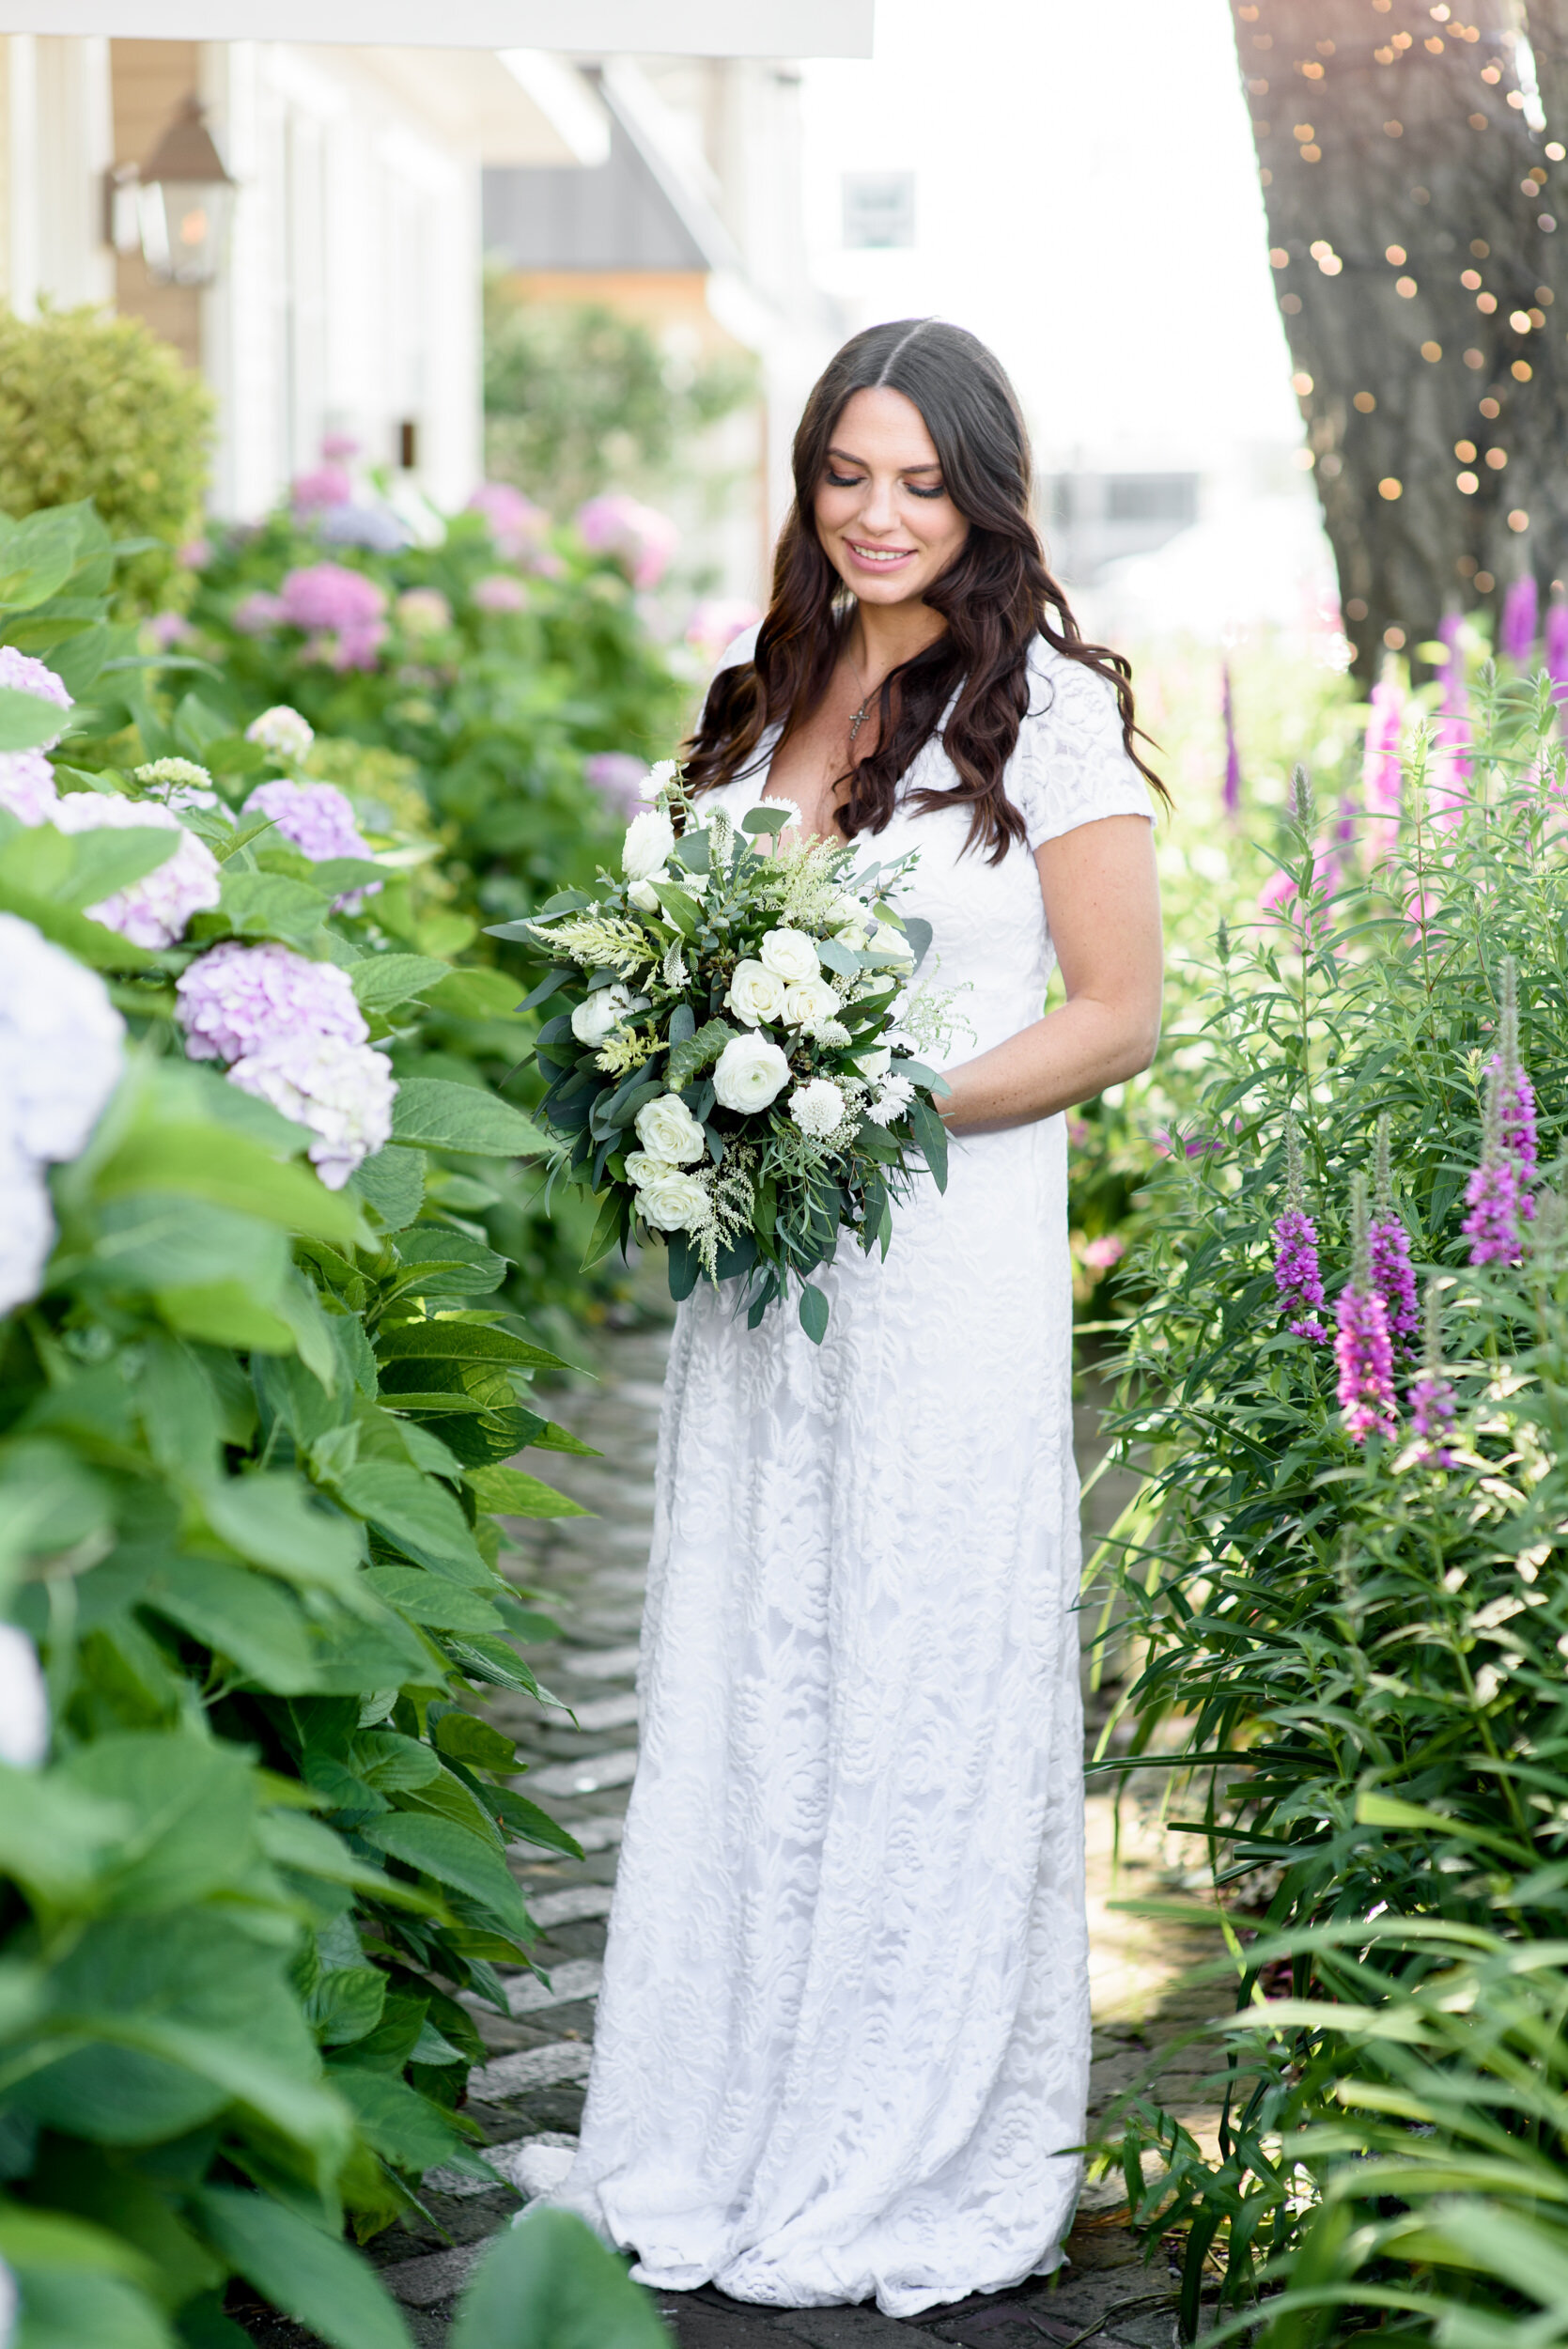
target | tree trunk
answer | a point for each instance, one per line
(1393, 169)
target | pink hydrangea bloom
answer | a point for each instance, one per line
(237, 999)
(195, 556)
(337, 447)
(28, 786)
(423, 612)
(21, 674)
(317, 819)
(1100, 1254)
(618, 779)
(716, 622)
(330, 596)
(170, 628)
(517, 525)
(637, 535)
(255, 613)
(342, 1092)
(312, 492)
(154, 910)
(499, 592)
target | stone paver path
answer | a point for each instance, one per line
(529, 2094)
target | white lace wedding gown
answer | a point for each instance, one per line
(843, 2042)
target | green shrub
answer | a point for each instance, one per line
(253, 1444)
(93, 407)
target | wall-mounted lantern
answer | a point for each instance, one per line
(176, 206)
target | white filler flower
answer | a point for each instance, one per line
(791, 955)
(750, 1073)
(673, 1202)
(756, 993)
(282, 731)
(817, 1107)
(61, 1044)
(892, 1100)
(603, 1011)
(23, 1733)
(649, 839)
(667, 1128)
(810, 1003)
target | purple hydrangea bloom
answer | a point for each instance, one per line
(1516, 634)
(327, 485)
(21, 674)
(154, 910)
(1363, 1352)
(517, 525)
(342, 1092)
(255, 613)
(28, 786)
(618, 778)
(716, 622)
(331, 595)
(236, 998)
(318, 820)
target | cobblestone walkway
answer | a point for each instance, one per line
(529, 2094)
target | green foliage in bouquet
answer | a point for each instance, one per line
(1349, 1569)
(698, 989)
(257, 1398)
(94, 407)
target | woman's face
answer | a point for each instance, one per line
(883, 515)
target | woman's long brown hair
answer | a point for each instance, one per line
(996, 597)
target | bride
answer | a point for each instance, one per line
(842, 2043)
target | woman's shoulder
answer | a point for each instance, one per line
(1071, 765)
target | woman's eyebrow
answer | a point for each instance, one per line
(845, 459)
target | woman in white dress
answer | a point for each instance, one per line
(843, 2042)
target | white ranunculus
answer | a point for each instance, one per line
(24, 1704)
(756, 993)
(809, 1002)
(749, 1074)
(890, 947)
(673, 1202)
(791, 955)
(603, 1012)
(875, 1063)
(657, 779)
(61, 1044)
(817, 1107)
(649, 839)
(643, 893)
(667, 1127)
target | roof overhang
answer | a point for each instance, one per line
(701, 28)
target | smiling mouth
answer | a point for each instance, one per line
(879, 554)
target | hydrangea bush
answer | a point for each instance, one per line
(1348, 1570)
(259, 1396)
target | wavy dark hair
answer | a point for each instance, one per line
(996, 597)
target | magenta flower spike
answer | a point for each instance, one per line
(1516, 635)
(1516, 1131)
(1297, 1277)
(1451, 770)
(1382, 777)
(1233, 753)
(1431, 1401)
(1388, 1252)
(1492, 1193)
(1363, 1352)
(1557, 644)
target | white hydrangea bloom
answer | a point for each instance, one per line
(154, 910)
(23, 1744)
(26, 1226)
(61, 1045)
(282, 731)
(343, 1092)
(10, 2305)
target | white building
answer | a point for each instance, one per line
(349, 301)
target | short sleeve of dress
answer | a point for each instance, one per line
(1070, 766)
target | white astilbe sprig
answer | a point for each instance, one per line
(672, 969)
(598, 942)
(731, 1201)
(928, 1021)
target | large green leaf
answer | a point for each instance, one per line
(309, 2276)
(65, 2309)
(440, 1848)
(510, 1493)
(550, 2283)
(393, 1182)
(244, 1616)
(403, 2126)
(269, 905)
(311, 1848)
(431, 1598)
(99, 948)
(380, 981)
(418, 1514)
(345, 2004)
(193, 1801)
(447, 1339)
(37, 557)
(457, 1265)
(54, 1838)
(271, 1520)
(467, 1118)
(200, 1163)
(226, 1313)
(78, 869)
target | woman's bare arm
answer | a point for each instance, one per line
(1102, 902)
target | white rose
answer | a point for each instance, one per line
(791, 955)
(873, 1064)
(603, 1012)
(673, 1202)
(817, 1107)
(668, 1129)
(811, 1000)
(756, 993)
(645, 1166)
(649, 839)
(751, 1072)
(889, 945)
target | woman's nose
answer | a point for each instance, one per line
(878, 512)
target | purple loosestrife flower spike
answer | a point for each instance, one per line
(1233, 754)
(1297, 1276)
(1557, 645)
(1492, 1193)
(1382, 777)
(1517, 636)
(1363, 1351)
(1515, 1094)
(1389, 1245)
(1432, 1406)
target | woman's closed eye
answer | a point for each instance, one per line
(855, 481)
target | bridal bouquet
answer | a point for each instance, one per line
(735, 1060)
